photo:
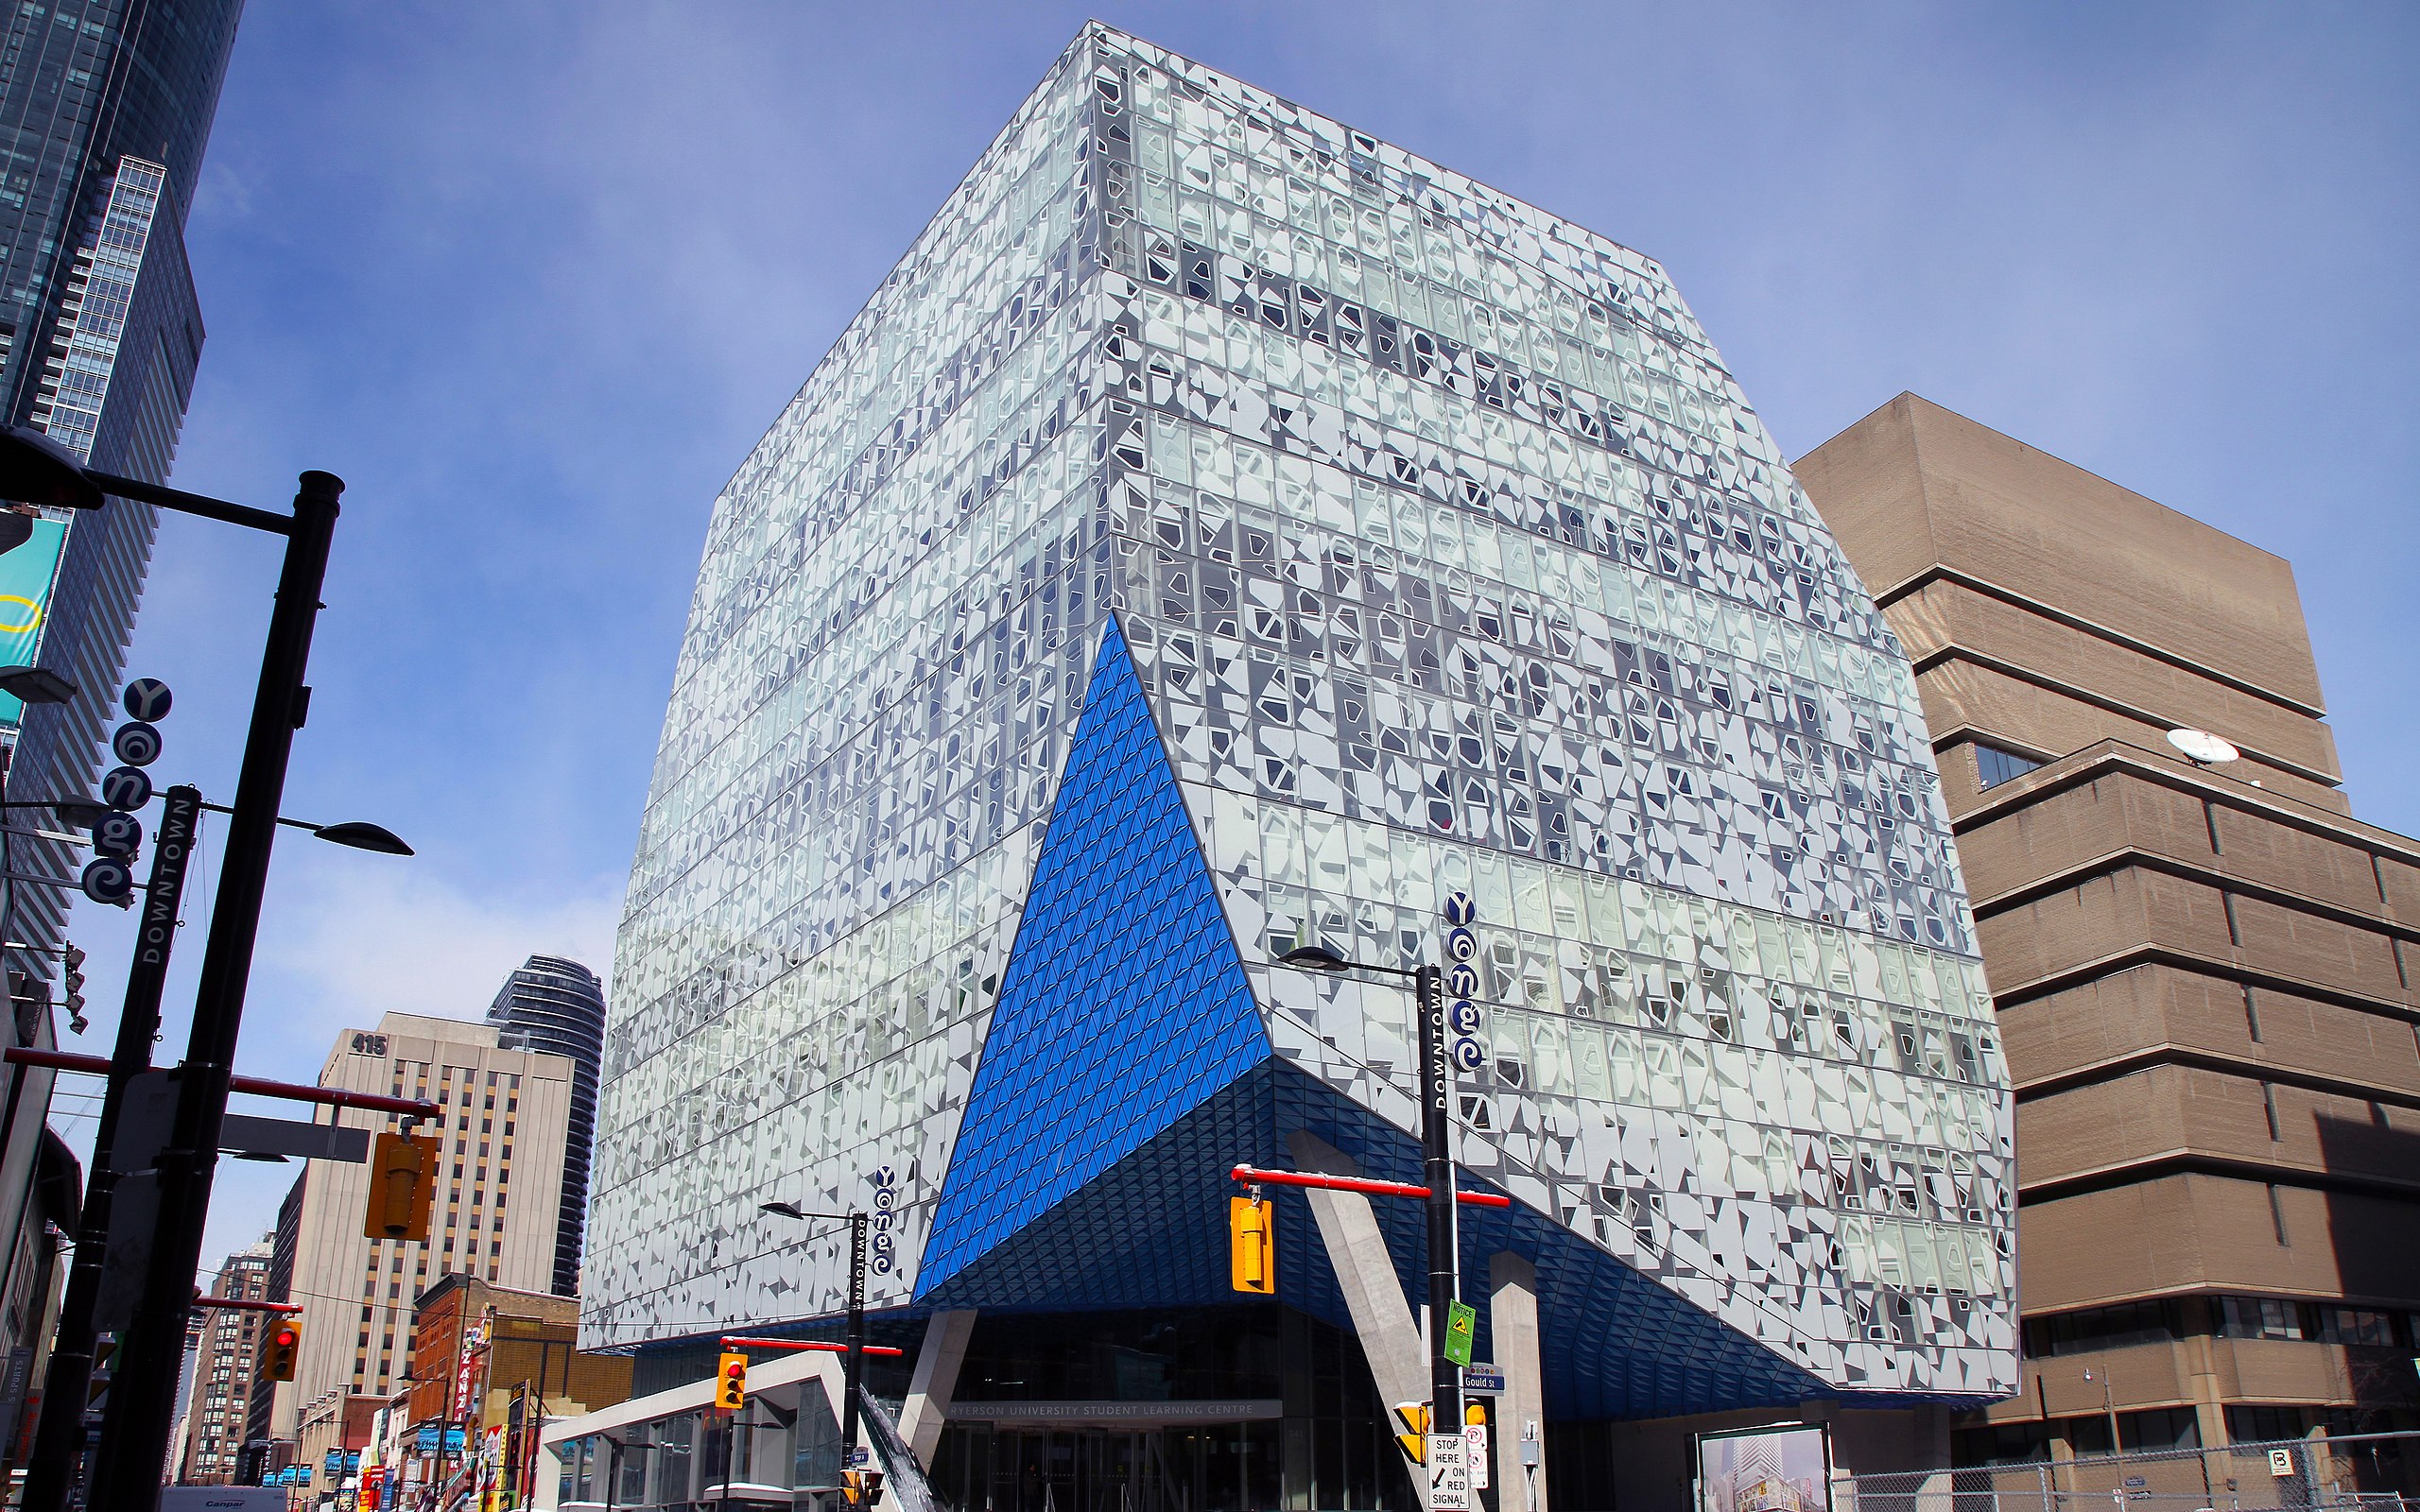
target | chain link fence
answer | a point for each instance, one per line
(2378, 1473)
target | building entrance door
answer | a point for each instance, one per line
(1079, 1470)
(1193, 1469)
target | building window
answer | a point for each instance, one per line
(2251, 1425)
(2354, 1325)
(2001, 1444)
(2158, 1429)
(2261, 1318)
(2103, 1327)
(1994, 765)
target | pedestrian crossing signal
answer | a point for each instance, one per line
(1251, 1248)
(731, 1382)
(1411, 1429)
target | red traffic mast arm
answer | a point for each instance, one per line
(738, 1341)
(1360, 1184)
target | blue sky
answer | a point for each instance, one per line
(533, 277)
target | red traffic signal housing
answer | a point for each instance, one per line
(278, 1350)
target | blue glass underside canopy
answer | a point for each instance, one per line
(1151, 1233)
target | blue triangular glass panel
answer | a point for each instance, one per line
(1097, 1043)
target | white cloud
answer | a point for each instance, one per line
(344, 942)
(356, 942)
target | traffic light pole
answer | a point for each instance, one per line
(1437, 1156)
(67, 1383)
(855, 1374)
(142, 1408)
(856, 1348)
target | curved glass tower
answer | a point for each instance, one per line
(1225, 531)
(558, 1006)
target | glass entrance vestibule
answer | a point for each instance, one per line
(1235, 1409)
(674, 1450)
(1193, 1467)
(775, 1455)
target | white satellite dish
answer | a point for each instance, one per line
(2200, 748)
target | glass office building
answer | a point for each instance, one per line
(105, 113)
(1225, 531)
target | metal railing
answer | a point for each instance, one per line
(2375, 1472)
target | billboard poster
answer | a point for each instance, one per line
(25, 577)
(1787, 1467)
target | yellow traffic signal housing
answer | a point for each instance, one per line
(278, 1350)
(1252, 1244)
(402, 1188)
(1411, 1432)
(861, 1488)
(731, 1382)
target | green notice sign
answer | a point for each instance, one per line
(1462, 1322)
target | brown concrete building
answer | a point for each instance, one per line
(2204, 974)
(331, 1437)
(223, 1369)
(490, 1365)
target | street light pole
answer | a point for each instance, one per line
(134, 1430)
(854, 1373)
(2108, 1409)
(1437, 1155)
(58, 1441)
(1437, 1161)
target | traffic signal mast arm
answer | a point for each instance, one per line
(740, 1342)
(255, 1085)
(1360, 1184)
(245, 1304)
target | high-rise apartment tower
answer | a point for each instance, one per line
(104, 110)
(558, 1006)
(223, 1371)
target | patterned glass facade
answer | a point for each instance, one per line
(1399, 537)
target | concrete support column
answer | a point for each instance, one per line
(1373, 1291)
(832, 1374)
(935, 1383)
(1513, 1319)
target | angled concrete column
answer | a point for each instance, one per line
(1373, 1292)
(935, 1383)
(1513, 1318)
(832, 1374)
